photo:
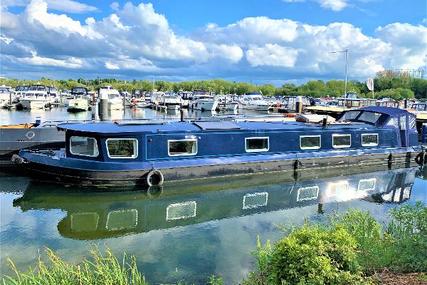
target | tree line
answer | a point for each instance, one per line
(387, 84)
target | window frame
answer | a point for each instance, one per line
(340, 146)
(361, 181)
(184, 154)
(257, 150)
(192, 204)
(310, 136)
(316, 187)
(86, 155)
(369, 134)
(135, 155)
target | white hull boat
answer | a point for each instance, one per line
(255, 102)
(78, 105)
(205, 105)
(34, 103)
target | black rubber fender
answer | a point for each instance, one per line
(421, 158)
(154, 178)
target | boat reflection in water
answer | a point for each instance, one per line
(96, 215)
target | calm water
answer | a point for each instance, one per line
(185, 231)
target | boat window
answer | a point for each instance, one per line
(369, 117)
(392, 122)
(350, 115)
(307, 193)
(182, 147)
(341, 141)
(84, 222)
(256, 144)
(255, 200)
(309, 142)
(122, 219)
(367, 184)
(402, 123)
(412, 122)
(369, 139)
(84, 146)
(181, 211)
(122, 148)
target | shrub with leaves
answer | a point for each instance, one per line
(408, 229)
(372, 245)
(308, 255)
(314, 255)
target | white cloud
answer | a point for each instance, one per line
(70, 62)
(256, 30)
(69, 6)
(409, 44)
(124, 62)
(135, 39)
(272, 55)
(5, 39)
(37, 13)
(334, 5)
(115, 6)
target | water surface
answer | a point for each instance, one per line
(185, 231)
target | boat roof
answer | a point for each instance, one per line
(385, 110)
(197, 126)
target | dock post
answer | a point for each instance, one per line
(298, 105)
(103, 106)
(95, 112)
(181, 113)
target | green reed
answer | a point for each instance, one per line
(100, 268)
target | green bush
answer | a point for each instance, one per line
(100, 269)
(400, 247)
(408, 230)
(313, 255)
(338, 253)
(309, 255)
(372, 245)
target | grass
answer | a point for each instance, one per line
(98, 269)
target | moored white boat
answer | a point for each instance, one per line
(255, 102)
(168, 101)
(115, 100)
(6, 96)
(35, 97)
(203, 103)
(80, 101)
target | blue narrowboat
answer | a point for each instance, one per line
(135, 153)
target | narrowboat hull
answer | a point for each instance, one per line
(48, 167)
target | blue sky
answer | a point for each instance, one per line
(260, 41)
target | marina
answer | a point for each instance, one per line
(213, 142)
(295, 170)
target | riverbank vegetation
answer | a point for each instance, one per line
(100, 268)
(352, 248)
(387, 84)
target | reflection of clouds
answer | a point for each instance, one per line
(10, 215)
(191, 252)
(196, 251)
